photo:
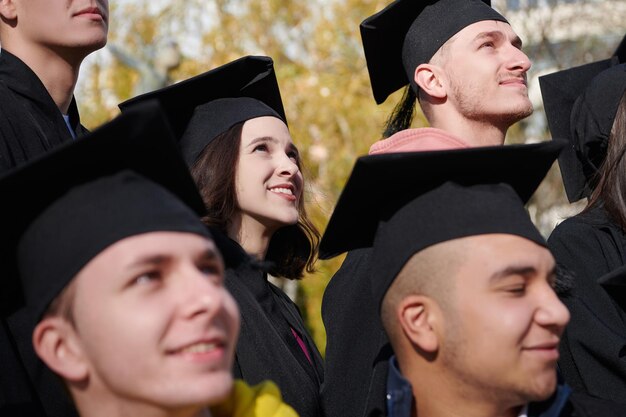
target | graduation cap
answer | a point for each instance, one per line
(580, 160)
(580, 105)
(61, 210)
(202, 107)
(408, 33)
(415, 200)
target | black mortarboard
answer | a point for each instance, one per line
(63, 209)
(580, 105)
(202, 107)
(415, 200)
(407, 33)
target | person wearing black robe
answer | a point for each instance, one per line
(37, 113)
(31, 123)
(122, 214)
(268, 316)
(587, 105)
(442, 365)
(38, 73)
(274, 343)
(396, 41)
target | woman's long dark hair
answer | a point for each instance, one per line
(610, 191)
(292, 249)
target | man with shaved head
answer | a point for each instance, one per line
(462, 280)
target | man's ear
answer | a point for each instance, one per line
(8, 11)
(417, 315)
(429, 79)
(58, 346)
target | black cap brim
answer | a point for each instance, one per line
(249, 76)
(140, 141)
(380, 181)
(560, 91)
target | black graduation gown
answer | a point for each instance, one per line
(357, 348)
(593, 347)
(30, 124)
(30, 121)
(266, 348)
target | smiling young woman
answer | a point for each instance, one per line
(249, 177)
(234, 136)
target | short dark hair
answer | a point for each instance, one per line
(292, 249)
(610, 181)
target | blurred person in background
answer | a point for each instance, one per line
(587, 106)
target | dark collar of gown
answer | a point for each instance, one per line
(275, 304)
(22, 80)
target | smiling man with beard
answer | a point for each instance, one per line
(119, 285)
(463, 282)
(460, 59)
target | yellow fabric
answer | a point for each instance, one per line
(262, 400)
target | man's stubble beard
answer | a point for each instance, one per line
(470, 105)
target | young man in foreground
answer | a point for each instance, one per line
(121, 282)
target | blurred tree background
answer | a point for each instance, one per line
(316, 47)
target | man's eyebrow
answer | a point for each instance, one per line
(154, 260)
(149, 260)
(489, 34)
(496, 34)
(210, 254)
(511, 271)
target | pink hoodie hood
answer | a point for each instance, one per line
(418, 140)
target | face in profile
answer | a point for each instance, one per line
(75, 24)
(154, 326)
(486, 73)
(504, 321)
(268, 180)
